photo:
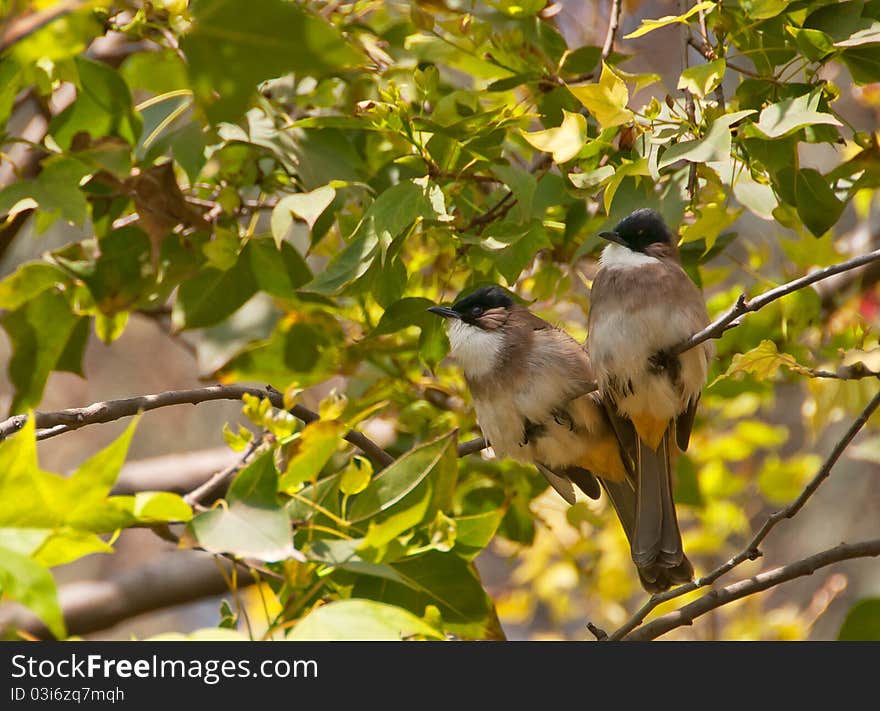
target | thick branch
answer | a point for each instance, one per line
(50, 424)
(744, 305)
(763, 581)
(751, 551)
(24, 25)
(88, 606)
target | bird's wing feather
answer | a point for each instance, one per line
(562, 485)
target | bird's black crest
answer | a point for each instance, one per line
(483, 299)
(642, 228)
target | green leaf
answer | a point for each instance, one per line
(789, 115)
(11, 77)
(432, 464)
(311, 451)
(513, 247)
(564, 142)
(235, 44)
(30, 584)
(29, 280)
(867, 35)
(213, 295)
(817, 205)
(157, 72)
(410, 311)
(387, 217)
(254, 524)
(606, 100)
(306, 206)
(444, 580)
(522, 184)
(715, 145)
(361, 620)
(591, 179)
(155, 506)
(278, 271)
(651, 25)
(103, 107)
(703, 78)
(764, 9)
(863, 63)
(36, 349)
(55, 190)
(862, 622)
(815, 44)
(67, 545)
(473, 533)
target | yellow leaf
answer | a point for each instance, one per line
(703, 78)
(606, 100)
(762, 362)
(564, 142)
(651, 25)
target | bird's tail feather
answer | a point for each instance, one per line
(656, 541)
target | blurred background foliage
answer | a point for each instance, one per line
(284, 187)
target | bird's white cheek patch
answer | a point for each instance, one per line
(475, 350)
(616, 256)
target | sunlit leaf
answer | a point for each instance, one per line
(564, 142)
(606, 99)
(361, 620)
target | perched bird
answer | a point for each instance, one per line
(528, 379)
(642, 305)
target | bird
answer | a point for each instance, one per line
(642, 305)
(534, 392)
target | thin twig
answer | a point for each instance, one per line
(744, 305)
(743, 588)
(216, 482)
(690, 107)
(611, 33)
(752, 551)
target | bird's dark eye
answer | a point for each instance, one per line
(477, 311)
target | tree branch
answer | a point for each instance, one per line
(24, 25)
(743, 588)
(751, 551)
(613, 24)
(50, 424)
(744, 305)
(88, 606)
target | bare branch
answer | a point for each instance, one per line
(613, 24)
(88, 606)
(751, 551)
(221, 478)
(744, 305)
(743, 588)
(50, 424)
(24, 25)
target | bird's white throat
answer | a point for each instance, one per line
(616, 256)
(475, 350)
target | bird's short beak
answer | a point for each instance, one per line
(612, 237)
(444, 311)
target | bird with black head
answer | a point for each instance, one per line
(642, 305)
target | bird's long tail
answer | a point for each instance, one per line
(656, 538)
